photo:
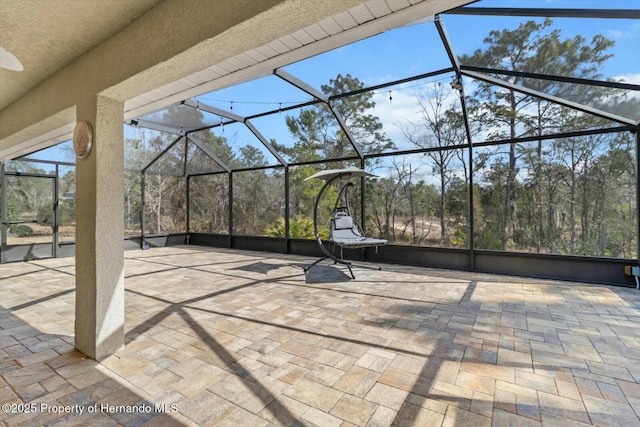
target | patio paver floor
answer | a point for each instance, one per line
(222, 337)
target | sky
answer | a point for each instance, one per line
(413, 50)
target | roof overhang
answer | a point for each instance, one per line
(187, 74)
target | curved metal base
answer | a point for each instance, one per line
(335, 260)
(341, 261)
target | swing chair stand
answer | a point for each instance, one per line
(344, 232)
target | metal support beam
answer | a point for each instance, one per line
(162, 153)
(551, 136)
(3, 198)
(209, 153)
(293, 80)
(394, 83)
(56, 217)
(547, 12)
(46, 162)
(550, 98)
(236, 118)
(188, 203)
(447, 44)
(345, 129)
(563, 79)
(193, 103)
(186, 158)
(363, 183)
(638, 195)
(230, 209)
(143, 222)
(155, 126)
(287, 210)
(29, 174)
(355, 92)
(266, 143)
(444, 36)
(471, 198)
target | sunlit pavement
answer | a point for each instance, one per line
(220, 337)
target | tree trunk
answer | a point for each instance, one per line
(510, 199)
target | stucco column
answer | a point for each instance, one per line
(99, 323)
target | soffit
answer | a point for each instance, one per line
(364, 20)
(46, 35)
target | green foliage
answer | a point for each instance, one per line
(316, 131)
(12, 210)
(252, 157)
(459, 238)
(277, 229)
(45, 214)
(20, 230)
(534, 47)
(66, 212)
(565, 196)
(300, 227)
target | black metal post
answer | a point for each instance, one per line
(55, 224)
(287, 211)
(143, 225)
(231, 209)
(638, 195)
(188, 207)
(547, 12)
(186, 157)
(363, 222)
(459, 86)
(471, 228)
(3, 197)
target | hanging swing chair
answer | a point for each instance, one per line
(344, 232)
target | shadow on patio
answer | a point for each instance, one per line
(234, 337)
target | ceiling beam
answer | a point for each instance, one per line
(209, 153)
(547, 12)
(161, 154)
(551, 98)
(305, 87)
(194, 103)
(155, 126)
(563, 79)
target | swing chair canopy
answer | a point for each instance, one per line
(351, 171)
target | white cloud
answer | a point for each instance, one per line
(629, 78)
(615, 34)
(395, 113)
(626, 33)
(403, 109)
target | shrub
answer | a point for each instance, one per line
(300, 227)
(20, 230)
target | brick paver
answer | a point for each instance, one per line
(222, 337)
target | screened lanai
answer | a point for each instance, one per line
(503, 138)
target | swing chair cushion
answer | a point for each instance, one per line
(342, 221)
(344, 233)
